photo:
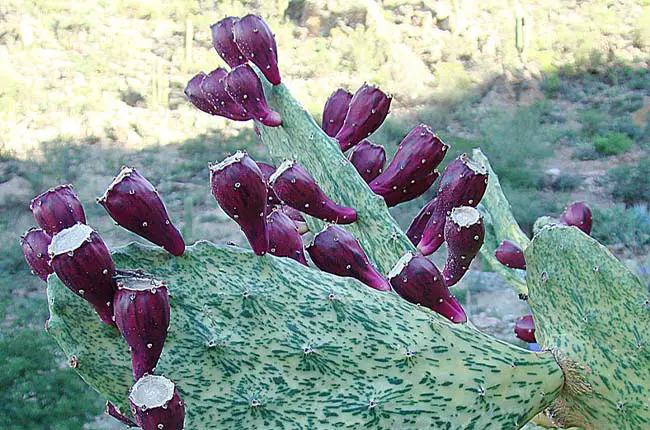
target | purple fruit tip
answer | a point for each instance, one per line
(239, 187)
(257, 43)
(57, 208)
(334, 112)
(578, 215)
(34, 244)
(368, 108)
(525, 329)
(245, 88)
(133, 202)
(223, 41)
(418, 280)
(142, 314)
(297, 188)
(510, 255)
(335, 250)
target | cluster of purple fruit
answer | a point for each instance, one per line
(511, 255)
(139, 309)
(267, 202)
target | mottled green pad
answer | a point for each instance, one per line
(500, 224)
(588, 306)
(263, 342)
(300, 138)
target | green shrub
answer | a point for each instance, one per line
(619, 225)
(592, 121)
(613, 143)
(630, 183)
(529, 204)
(551, 85)
(35, 393)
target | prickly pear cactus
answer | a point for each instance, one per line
(263, 342)
(595, 315)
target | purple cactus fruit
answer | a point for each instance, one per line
(208, 93)
(510, 255)
(141, 307)
(156, 404)
(82, 261)
(525, 329)
(256, 41)
(368, 109)
(268, 171)
(577, 214)
(463, 183)
(133, 202)
(223, 40)
(243, 85)
(416, 158)
(415, 188)
(335, 250)
(297, 188)
(296, 217)
(336, 107)
(414, 232)
(57, 208)
(213, 89)
(418, 281)
(34, 244)
(115, 413)
(464, 234)
(369, 159)
(239, 187)
(284, 238)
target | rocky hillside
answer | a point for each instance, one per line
(112, 72)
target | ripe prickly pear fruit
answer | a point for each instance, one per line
(256, 41)
(243, 85)
(336, 107)
(410, 172)
(369, 159)
(296, 217)
(368, 109)
(464, 234)
(414, 232)
(510, 255)
(34, 244)
(418, 280)
(82, 261)
(284, 238)
(335, 250)
(267, 171)
(133, 202)
(223, 41)
(400, 194)
(211, 96)
(463, 183)
(577, 214)
(297, 188)
(141, 307)
(525, 329)
(57, 208)
(156, 404)
(239, 187)
(115, 413)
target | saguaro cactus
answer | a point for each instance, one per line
(260, 341)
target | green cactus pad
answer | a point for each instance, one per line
(263, 342)
(591, 310)
(500, 224)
